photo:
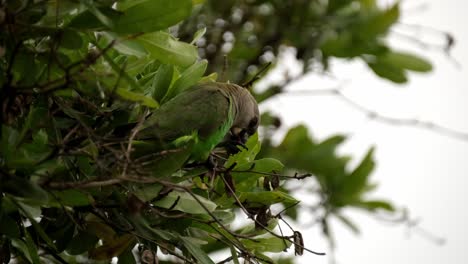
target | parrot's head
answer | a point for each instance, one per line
(247, 117)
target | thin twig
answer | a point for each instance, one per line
(431, 126)
(265, 227)
(295, 176)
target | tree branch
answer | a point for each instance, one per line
(371, 114)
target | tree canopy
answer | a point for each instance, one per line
(74, 72)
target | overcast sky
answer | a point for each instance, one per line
(418, 169)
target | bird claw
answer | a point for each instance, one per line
(211, 162)
(240, 144)
(233, 146)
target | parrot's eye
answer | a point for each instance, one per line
(253, 122)
(252, 127)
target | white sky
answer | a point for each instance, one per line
(418, 169)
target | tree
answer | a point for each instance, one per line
(74, 189)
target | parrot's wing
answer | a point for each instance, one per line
(204, 109)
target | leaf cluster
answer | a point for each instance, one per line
(78, 78)
(252, 33)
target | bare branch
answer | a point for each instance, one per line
(428, 125)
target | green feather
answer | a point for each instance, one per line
(202, 148)
(205, 111)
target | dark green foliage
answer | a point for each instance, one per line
(251, 33)
(78, 78)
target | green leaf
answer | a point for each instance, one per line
(235, 257)
(388, 71)
(406, 61)
(152, 15)
(161, 163)
(101, 230)
(122, 5)
(267, 198)
(71, 40)
(226, 217)
(167, 235)
(297, 136)
(24, 68)
(268, 165)
(8, 226)
(121, 72)
(141, 16)
(101, 17)
(126, 257)
(247, 175)
(40, 138)
(162, 81)
(212, 77)
(57, 11)
(10, 138)
(338, 45)
(22, 247)
(147, 73)
(90, 148)
(33, 211)
(379, 23)
(264, 259)
(368, 4)
(125, 46)
(28, 155)
(36, 226)
(188, 78)
(33, 252)
(375, 205)
(270, 244)
(88, 20)
(70, 198)
(251, 230)
(164, 47)
(23, 188)
(292, 212)
(112, 248)
(137, 97)
(245, 155)
(35, 122)
(81, 243)
(194, 248)
(60, 230)
(135, 65)
(199, 34)
(184, 202)
(356, 182)
(148, 193)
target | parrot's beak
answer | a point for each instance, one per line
(239, 135)
(236, 131)
(234, 139)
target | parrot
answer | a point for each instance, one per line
(212, 113)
